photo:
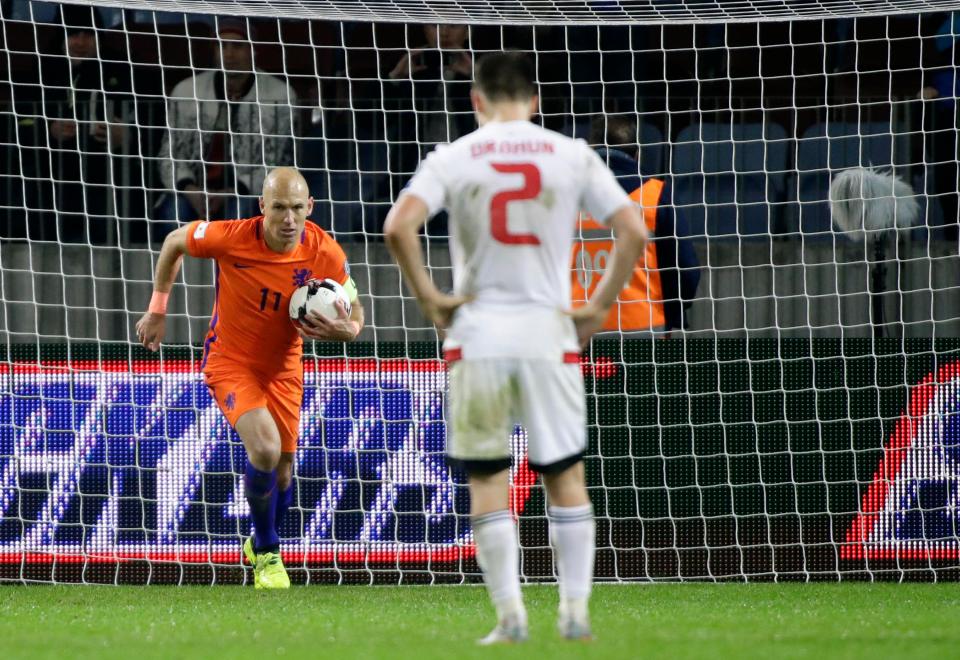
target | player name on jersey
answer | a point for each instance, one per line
(511, 147)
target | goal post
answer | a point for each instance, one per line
(799, 421)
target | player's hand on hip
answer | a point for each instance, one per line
(440, 308)
(314, 326)
(588, 319)
(150, 330)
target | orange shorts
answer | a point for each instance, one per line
(237, 391)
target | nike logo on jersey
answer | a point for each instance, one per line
(236, 265)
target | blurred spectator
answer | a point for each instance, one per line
(436, 77)
(665, 280)
(87, 105)
(227, 129)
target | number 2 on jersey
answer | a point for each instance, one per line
(531, 188)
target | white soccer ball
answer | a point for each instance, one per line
(318, 296)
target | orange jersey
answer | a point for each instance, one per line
(640, 304)
(250, 322)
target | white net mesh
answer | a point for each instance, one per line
(791, 415)
(546, 12)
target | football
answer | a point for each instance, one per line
(319, 296)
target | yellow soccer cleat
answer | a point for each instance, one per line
(251, 558)
(248, 552)
(269, 573)
(268, 569)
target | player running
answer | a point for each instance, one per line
(252, 352)
(513, 191)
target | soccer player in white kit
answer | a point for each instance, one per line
(513, 191)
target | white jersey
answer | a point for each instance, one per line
(513, 192)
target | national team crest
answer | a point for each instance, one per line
(910, 510)
(301, 276)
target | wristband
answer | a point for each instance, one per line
(158, 302)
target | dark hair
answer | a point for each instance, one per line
(235, 25)
(505, 77)
(615, 131)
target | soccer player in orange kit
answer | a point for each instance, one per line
(252, 352)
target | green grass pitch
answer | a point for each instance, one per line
(633, 621)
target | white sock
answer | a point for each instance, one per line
(573, 537)
(499, 556)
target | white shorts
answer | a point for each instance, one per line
(489, 397)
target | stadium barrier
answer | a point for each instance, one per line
(708, 459)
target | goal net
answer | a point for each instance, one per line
(784, 405)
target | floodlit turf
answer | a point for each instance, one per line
(635, 621)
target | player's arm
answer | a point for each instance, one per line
(629, 242)
(151, 327)
(402, 232)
